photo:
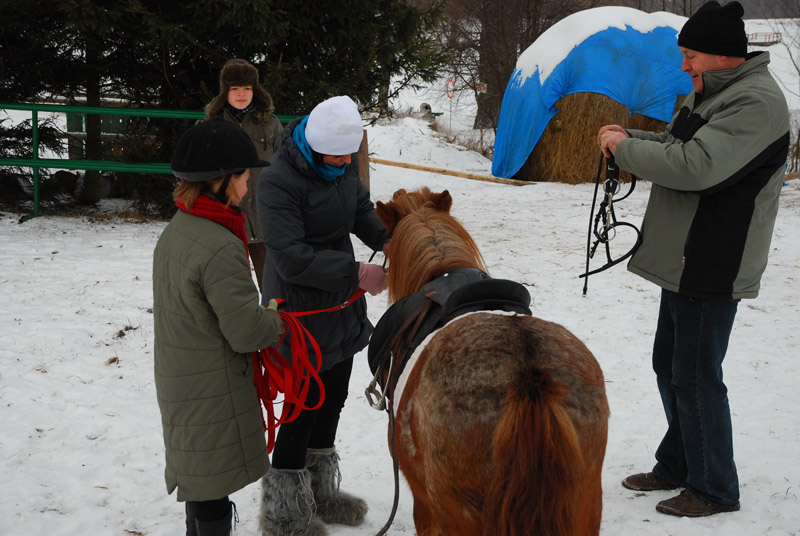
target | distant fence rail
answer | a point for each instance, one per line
(101, 165)
(764, 39)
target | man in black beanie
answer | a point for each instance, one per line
(716, 173)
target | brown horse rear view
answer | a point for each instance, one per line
(501, 422)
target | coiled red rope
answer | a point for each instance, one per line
(274, 374)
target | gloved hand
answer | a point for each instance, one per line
(273, 305)
(371, 278)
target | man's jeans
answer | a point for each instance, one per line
(690, 344)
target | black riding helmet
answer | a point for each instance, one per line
(213, 149)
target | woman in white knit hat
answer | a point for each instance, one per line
(310, 200)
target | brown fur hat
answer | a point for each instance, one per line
(238, 72)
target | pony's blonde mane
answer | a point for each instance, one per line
(426, 242)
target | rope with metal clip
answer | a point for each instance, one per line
(603, 224)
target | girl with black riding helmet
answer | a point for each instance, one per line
(207, 322)
(310, 200)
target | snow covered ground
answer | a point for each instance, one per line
(81, 450)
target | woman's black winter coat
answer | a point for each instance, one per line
(306, 223)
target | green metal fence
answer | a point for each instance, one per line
(102, 165)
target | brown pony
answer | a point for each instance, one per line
(501, 426)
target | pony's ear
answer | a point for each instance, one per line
(387, 214)
(399, 194)
(442, 201)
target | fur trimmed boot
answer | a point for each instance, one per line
(287, 505)
(333, 506)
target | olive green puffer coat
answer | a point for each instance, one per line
(263, 127)
(207, 321)
(265, 138)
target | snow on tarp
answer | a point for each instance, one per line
(623, 53)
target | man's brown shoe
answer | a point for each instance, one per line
(648, 482)
(688, 505)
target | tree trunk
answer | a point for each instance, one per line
(484, 118)
(383, 96)
(94, 148)
(487, 106)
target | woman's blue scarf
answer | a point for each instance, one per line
(327, 172)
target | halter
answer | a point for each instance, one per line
(385, 258)
(605, 221)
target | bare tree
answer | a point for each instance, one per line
(487, 38)
(784, 17)
(753, 9)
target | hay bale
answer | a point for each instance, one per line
(567, 151)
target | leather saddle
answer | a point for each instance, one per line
(406, 323)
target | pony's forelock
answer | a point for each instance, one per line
(426, 242)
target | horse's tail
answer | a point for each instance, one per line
(537, 463)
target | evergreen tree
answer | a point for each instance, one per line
(159, 54)
(368, 51)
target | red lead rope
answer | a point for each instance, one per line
(275, 374)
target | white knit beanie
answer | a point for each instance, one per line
(334, 127)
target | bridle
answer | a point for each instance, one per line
(382, 401)
(603, 224)
(390, 369)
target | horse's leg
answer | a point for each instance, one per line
(591, 490)
(592, 428)
(426, 522)
(423, 520)
(446, 449)
(411, 466)
(411, 460)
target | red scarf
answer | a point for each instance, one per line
(229, 217)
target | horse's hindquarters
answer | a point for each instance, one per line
(474, 377)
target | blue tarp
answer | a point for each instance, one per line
(639, 70)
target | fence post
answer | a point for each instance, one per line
(35, 135)
(363, 160)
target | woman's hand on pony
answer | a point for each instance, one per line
(371, 278)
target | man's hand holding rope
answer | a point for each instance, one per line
(608, 137)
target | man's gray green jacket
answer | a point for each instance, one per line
(716, 173)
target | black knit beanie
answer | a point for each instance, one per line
(716, 29)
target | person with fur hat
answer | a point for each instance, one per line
(310, 200)
(244, 102)
(208, 320)
(716, 174)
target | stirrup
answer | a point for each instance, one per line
(372, 392)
